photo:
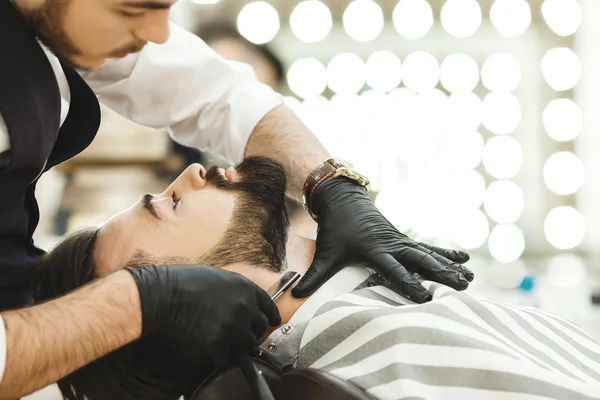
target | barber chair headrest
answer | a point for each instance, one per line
(298, 384)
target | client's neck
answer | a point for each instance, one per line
(300, 252)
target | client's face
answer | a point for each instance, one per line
(204, 218)
(216, 218)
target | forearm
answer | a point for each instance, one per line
(282, 136)
(49, 341)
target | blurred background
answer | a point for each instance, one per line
(477, 122)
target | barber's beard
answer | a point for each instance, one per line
(257, 232)
(47, 23)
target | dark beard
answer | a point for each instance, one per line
(158, 367)
(46, 23)
(257, 232)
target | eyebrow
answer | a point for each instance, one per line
(149, 206)
(151, 5)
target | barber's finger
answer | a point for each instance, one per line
(401, 280)
(268, 307)
(466, 272)
(458, 256)
(419, 259)
(454, 274)
(320, 270)
(259, 325)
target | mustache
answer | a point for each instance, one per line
(215, 178)
(255, 174)
(135, 47)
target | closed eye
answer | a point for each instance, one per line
(132, 14)
(176, 200)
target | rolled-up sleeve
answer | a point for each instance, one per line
(2, 348)
(183, 85)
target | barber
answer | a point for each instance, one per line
(49, 112)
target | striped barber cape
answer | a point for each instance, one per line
(458, 346)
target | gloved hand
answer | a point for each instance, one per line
(208, 309)
(352, 230)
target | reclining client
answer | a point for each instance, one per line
(355, 327)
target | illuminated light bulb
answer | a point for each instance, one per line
(504, 202)
(502, 157)
(397, 203)
(564, 227)
(421, 71)
(465, 112)
(563, 119)
(258, 22)
(384, 71)
(375, 118)
(314, 112)
(501, 73)
(472, 188)
(464, 150)
(461, 18)
(431, 112)
(501, 113)
(459, 73)
(400, 107)
(562, 16)
(467, 187)
(564, 173)
(363, 20)
(404, 96)
(347, 105)
(506, 243)
(470, 229)
(511, 18)
(346, 119)
(561, 68)
(307, 77)
(311, 21)
(346, 73)
(412, 18)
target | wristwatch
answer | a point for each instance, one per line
(326, 171)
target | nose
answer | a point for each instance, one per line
(193, 178)
(196, 175)
(155, 28)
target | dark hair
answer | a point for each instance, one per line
(154, 367)
(52, 279)
(224, 30)
(151, 368)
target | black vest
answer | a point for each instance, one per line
(30, 105)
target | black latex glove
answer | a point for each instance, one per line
(353, 231)
(208, 310)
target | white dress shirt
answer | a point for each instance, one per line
(183, 85)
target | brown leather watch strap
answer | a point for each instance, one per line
(319, 176)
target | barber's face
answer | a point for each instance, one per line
(217, 218)
(87, 32)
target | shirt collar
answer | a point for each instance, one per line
(341, 283)
(281, 348)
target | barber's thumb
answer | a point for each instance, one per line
(315, 277)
